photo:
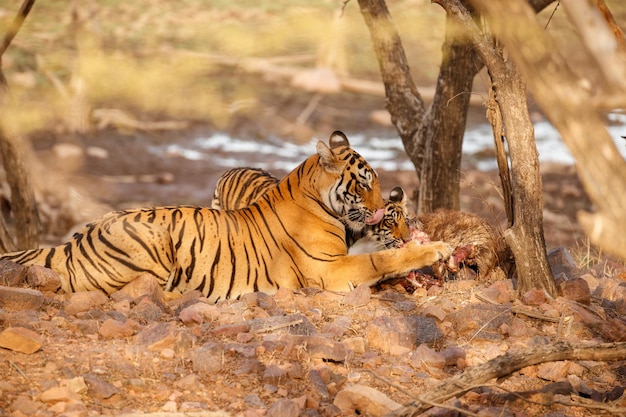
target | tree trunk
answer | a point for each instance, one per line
(568, 105)
(525, 235)
(12, 148)
(432, 139)
(443, 126)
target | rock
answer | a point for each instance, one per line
(553, 371)
(480, 321)
(561, 261)
(359, 296)
(292, 323)
(592, 281)
(25, 405)
(283, 408)
(157, 336)
(42, 278)
(338, 327)
(318, 384)
(534, 297)
(274, 375)
(146, 311)
(431, 310)
(85, 301)
(231, 329)
(99, 388)
(356, 344)
(14, 299)
(317, 347)
(199, 313)
(424, 355)
(577, 290)
(145, 285)
(260, 299)
(189, 382)
(364, 401)
(113, 329)
(12, 274)
(453, 354)
(58, 394)
(20, 339)
(207, 359)
(385, 333)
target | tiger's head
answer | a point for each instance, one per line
(397, 226)
(352, 186)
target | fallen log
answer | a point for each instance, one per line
(508, 363)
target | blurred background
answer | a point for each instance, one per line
(148, 102)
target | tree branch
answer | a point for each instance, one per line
(508, 363)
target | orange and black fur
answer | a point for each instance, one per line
(292, 237)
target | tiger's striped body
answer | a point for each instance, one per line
(240, 187)
(291, 238)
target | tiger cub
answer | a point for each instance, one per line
(478, 245)
(291, 237)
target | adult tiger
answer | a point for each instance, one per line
(240, 187)
(292, 237)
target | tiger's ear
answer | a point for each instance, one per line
(327, 157)
(397, 195)
(338, 138)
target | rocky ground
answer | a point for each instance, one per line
(311, 352)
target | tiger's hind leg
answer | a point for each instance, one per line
(119, 252)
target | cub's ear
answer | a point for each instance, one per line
(337, 138)
(397, 195)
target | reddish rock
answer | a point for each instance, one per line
(11, 273)
(158, 336)
(553, 371)
(59, 394)
(577, 290)
(359, 296)
(99, 388)
(385, 333)
(231, 329)
(85, 301)
(20, 339)
(283, 408)
(452, 354)
(534, 297)
(207, 359)
(114, 329)
(42, 278)
(274, 375)
(365, 401)
(199, 313)
(424, 355)
(145, 285)
(431, 310)
(317, 347)
(14, 299)
(146, 311)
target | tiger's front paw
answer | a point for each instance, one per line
(443, 249)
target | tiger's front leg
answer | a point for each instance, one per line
(371, 268)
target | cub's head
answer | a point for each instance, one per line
(348, 185)
(395, 229)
